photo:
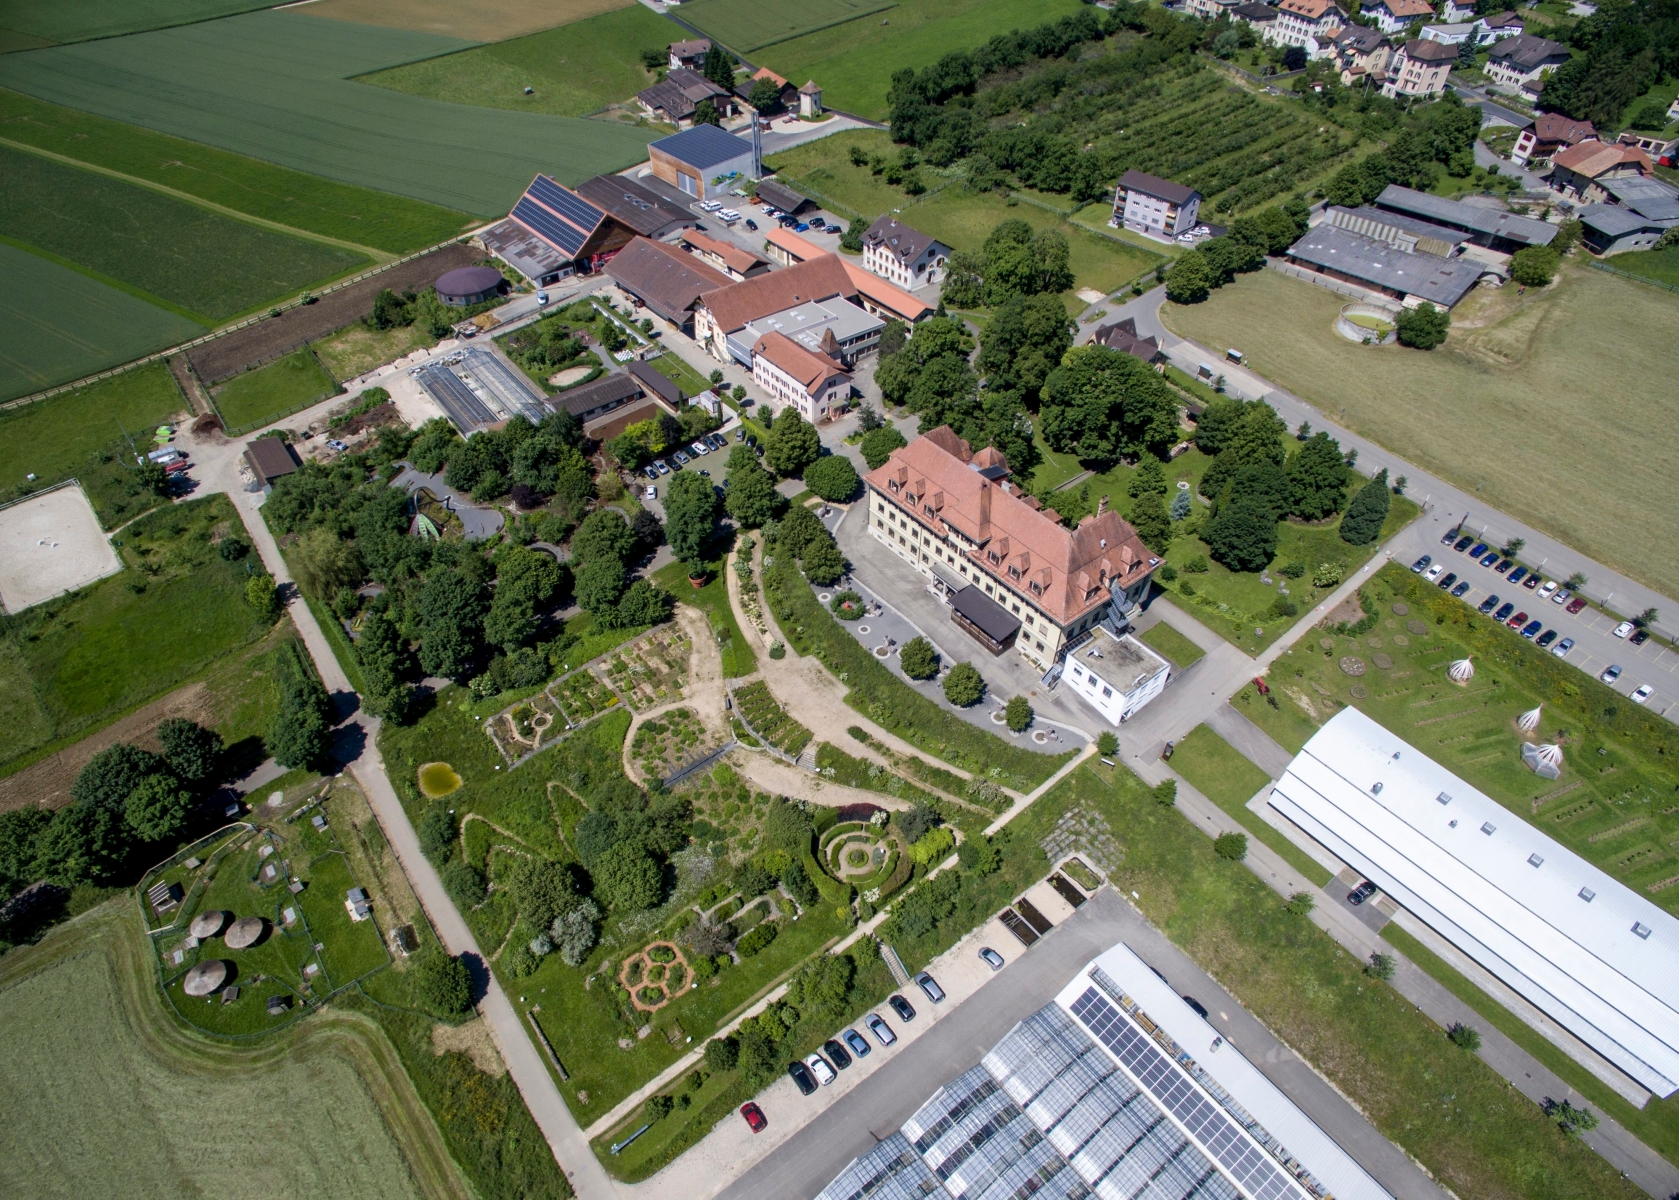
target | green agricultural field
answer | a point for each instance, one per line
(285, 386)
(57, 324)
(954, 215)
(80, 661)
(28, 23)
(575, 69)
(359, 215)
(747, 25)
(203, 264)
(1584, 364)
(1662, 266)
(278, 85)
(855, 62)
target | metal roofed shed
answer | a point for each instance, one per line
(469, 285)
(592, 399)
(779, 195)
(633, 205)
(1488, 226)
(269, 459)
(1342, 254)
(526, 253)
(1576, 943)
(657, 384)
(983, 619)
(702, 162)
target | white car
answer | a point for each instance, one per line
(1547, 589)
(710, 205)
(1624, 628)
(1434, 572)
(651, 492)
(729, 216)
(820, 1068)
(1562, 597)
(1644, 692)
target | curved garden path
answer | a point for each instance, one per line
(780, 779)
(703, 692)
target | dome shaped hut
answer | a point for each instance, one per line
(210, 923)
(1462, 671)
(1529, 721)
(206, 977)
(246, 931)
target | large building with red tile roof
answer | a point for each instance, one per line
(1581, 170)
(873, 293)
(808, 380)
(954, 514)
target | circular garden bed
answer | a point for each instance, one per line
(654, 975)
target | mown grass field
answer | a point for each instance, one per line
(57, 324)
(82, 660)
(854, 62)
(1171, 645)
(575, 69)
(747, 25)
(356, 349)
(483, 20)
(206, 265)
(299, 200)
(1660, 265)
(1556, 405)
(268, 393)
(954, 215)
(25, 23)
(276, 85)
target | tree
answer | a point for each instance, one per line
(109, 776)
(443, 983)
(1023, 343)
(1381, 966)
(722, 1054)
(464, 883)
(878, 444)
(541, 889)
(832, 478)
(822, 561)
(158, 808)
(792, 444)
(1166, 793)
(1423, 327)
(1181, 505)
(1107, 744)
(629, 452)
(603, 532)
(1150, 520)
(1534, 266)
(1317, 478)
(1233, 846)
(1300, 904)
(191, 751)
(649, 532)
(526, 583)
(1570, 1119)
(787, 827)
(153, 477)
(1101, 403)
(1577, 581)
(301, 733)
(322, 563)
(705, 113)
(644, 604)
(979, 855)
(915, 823)
(690, 515)
(599, 585)
(1646, 618)
(1464, 1037)
(262, 594)
(751, 498)
(1243, 536)
(820, 988)
(1514, 546)
(627, 877)
(1190, 280)
(451, 607)
(1018, 714)
(765, 95)
(719, 67)
(1367, 512)
(852, 238)
(918, 658)
(964, 686)
(436, 832)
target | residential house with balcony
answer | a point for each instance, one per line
(1516, 63)
(1395, 16)
(1311, 24)
(1542, 137)
(1149, 204)
(809, 380)
(1361, 53)
(906, 256)
(689, 54)
(1418, 70)
(1262, 17)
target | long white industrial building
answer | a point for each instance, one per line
(1585, 949)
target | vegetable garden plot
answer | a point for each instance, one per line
(665, 742)
(652, 670)
(582, 695)
(759, 709)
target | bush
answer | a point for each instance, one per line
(658, 1108)
(964, 686)
(756, 939)
(1107, 745)
(1233, 846)
(1300, 904)
(1464, 1037)
(722, 1054)
(833, 478)
(1197, 565)
(1423, 327)
(443, 984)
(464, 883)
(919, 659)
(1380, 966)
(1018, 714)
(1166, 792)
(1535, 266)
(847, 606)
(436, 832)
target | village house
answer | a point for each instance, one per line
(1361, 53)
(874, 294)
(809, 380)
(1262, 17)
(689, 54)
(1395, 16)
(1582, 171)
(906, 256)
(1418, 70)
(813, 303)
(1543, 136)
(669, 282)
(1311, 24)
(1516, 63)
(734, 261)
(676, 97)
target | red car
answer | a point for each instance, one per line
(1576, 604)
(754, 1116)
(1517, 621)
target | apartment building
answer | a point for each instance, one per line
(811, 382)
(908, 257)
(1418, 70)
(1395, 16)
(1308, 23)
(1150, 204)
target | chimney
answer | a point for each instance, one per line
(1102, 507)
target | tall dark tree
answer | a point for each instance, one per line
(719, 67)
(792, 444)
(751, 498)
(1243, 536)
(1024, 342)
(112, 774)
(300, 735)
(1317, 478)
(1367, 512)
(452, 604)
(690, 516)
(1149, 519)
(1100, 404)
(191, 750)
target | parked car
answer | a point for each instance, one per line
(1612, 674)
(754, 1115)
(664, 467)
(1519, 574)
(1478, 549)
(991, 958)
(858, 1044)
(1531, 629)
(1546, 638)
(1462, 544)
(1361, 893)
(1446, 580)
(740, 433)
(1504, 611)
(1517, 621)
(1421, 564)
(728, 215)
(1434, 572)
(1504, 565)
(905, 1010)
(710, 205)
(801, 1077)
(1448, 538)
(1563, 647)
(1624, 628)
(717, 441)
(1562, 597)
(650, 472)
(882, 1031)
(820, 1068)
(700, 448)
(1487, 605)
(1460, 589)
(1642, 694)
(800, 227)
(1532, 581)
(1488, 559)
(682, 459)
(1548, 589)
(542, 299)
(836, 1053)
(650, 492)
(331, 444)
(1640, 636)
(930, 986)
(752, 225)
(1576, 604)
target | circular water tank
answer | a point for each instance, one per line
(469, 285)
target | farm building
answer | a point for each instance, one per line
(658, 386)
(1493, 228)
(786, 95)
(734, 261)
(1579, 945)
(703, 162)
(1116, 1087)
(1587, 170)
(469, 285)
(805, 302)
(877, 296)
(677, 96)
(1397, 256)
(780, 196)
(908, 257)
(664, 279)
(809, 380)
(269, 458)
(591, 400)
(1613, 229)
(553, 233)
(206, 978)
(1149, 204)
(1115, 675)
(634, 205)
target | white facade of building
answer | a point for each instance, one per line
(783, 388)
(1115, 675)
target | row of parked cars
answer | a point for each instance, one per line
(1511, 613)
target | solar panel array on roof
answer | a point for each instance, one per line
(573, 208)
(546, 225)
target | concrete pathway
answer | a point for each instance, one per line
(1252, 742)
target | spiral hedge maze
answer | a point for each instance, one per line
(868, 857)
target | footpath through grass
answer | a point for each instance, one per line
(284, 386)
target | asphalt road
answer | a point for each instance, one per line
(804, 1166)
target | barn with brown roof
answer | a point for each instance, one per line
(666, 280)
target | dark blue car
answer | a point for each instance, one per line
(1532, 628)
(1487, 560)
(1478, 549)
(1460, 589)
(1487, 605)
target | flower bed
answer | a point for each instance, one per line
(759, 709)
(582, 695)
(651, 670)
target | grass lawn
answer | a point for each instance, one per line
(1583, 359)
(1662, 266)
(78, 662)
(266, 394)
(576, 69)
(1171, 645)
(357, 349)
(394, 224)
(672, 366)
(1447, 1109)
(58, 324)
(855, 62)
(1217, 770)
(747, 25)
(277, 85)
(484, 20)
(738, 657)
(956, 216)
(207, 266)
